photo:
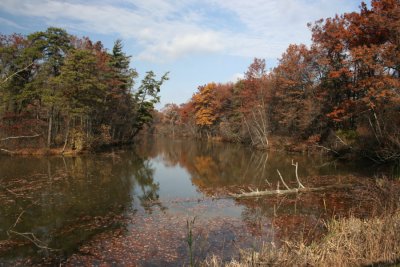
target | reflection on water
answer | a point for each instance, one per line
(71, 195)
(212, 165)
(77, 204)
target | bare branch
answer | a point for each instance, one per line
(20, 136)
(15, 73)
(341, 141)
(28, 235)
(300, 189)
(288, 188)
(31, 237)
(328, 149)
(297, 175)
(17, 221)
(290, 191)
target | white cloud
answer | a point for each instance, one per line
(182, 45)
(169, 29)
(272, 25)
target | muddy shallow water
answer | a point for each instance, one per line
(132, 206)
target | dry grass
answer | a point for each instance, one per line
(348, 242)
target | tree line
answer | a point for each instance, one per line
(70, 92)
(341, 93)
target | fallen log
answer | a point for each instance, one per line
(19, 137)
(290, 191)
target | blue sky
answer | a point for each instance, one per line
(198, 41)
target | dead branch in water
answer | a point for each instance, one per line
(289, 191)
(28, 235)
(300, 189)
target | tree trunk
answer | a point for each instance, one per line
(66, 138)
(50, 127)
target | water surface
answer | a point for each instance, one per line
(132, 205)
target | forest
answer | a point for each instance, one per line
(61, 91)
(340, 94)
(228, 195)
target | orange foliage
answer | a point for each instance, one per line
(349, 75)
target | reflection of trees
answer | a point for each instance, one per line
(69, 199)
(237, 165)
(216, 165)
(148, 195)
(210, 164)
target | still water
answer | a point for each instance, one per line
(132, 206)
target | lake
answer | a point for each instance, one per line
(133, 205)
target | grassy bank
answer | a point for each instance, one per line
(348, 242)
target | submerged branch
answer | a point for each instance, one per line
(28, 235)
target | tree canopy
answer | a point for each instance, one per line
(71, 91)
(343, 88)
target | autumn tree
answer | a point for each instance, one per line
(255, 97)
(361, 79)
(295, 80)
(205, 108)
(171, 116)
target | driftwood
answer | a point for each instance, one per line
(289, 191)
(301, 188)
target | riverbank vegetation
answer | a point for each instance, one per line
(358, 239)
(348, 242)
(340, 94)
(61, 91)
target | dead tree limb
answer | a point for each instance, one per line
(31, 237)
(328, 149)
(300, 189)
(19, 137)
(6, 151)
(290, 191)
(296, 165)
(28, 235)
(15, 73)
(19, 217)
(283, 182)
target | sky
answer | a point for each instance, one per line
(197, 41)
